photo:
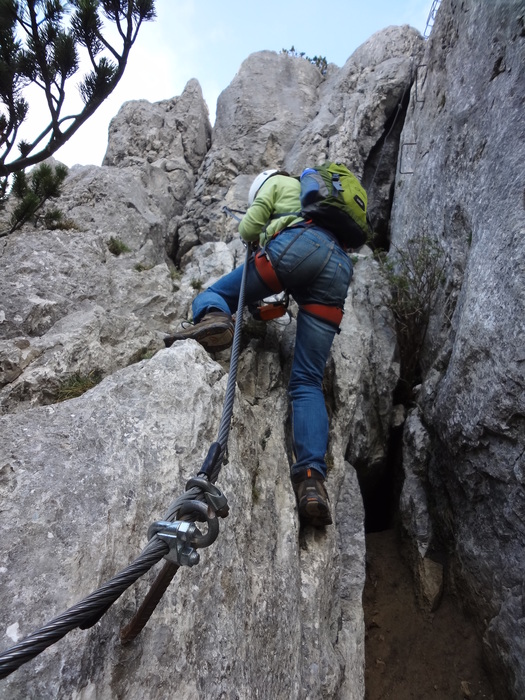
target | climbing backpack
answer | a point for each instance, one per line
(333, 198)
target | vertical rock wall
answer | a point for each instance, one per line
(271, 611)
(344, 116)
(461, 184)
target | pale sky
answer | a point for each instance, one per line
(208, 40)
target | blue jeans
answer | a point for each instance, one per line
(314, 269)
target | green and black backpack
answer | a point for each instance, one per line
(334, 199)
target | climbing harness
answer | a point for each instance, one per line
(275, 309)
(270, 309)
(176, 538)
(331, 314)
(266, 272)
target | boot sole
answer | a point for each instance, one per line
(313, 512)
(210, 338)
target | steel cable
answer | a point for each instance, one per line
(83, 612)
(227, 410)
(161, 583)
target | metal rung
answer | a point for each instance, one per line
(431, 18)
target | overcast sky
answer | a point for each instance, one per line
(209, 39)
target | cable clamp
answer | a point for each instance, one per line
(178, 535)
(183, 537)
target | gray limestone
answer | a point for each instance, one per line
(463, 150)
(271, 611)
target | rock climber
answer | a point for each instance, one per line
(314, 268)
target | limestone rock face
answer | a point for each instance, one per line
(269, 607)
(251, 112)
(361, 115)
(98, 470)
(344, 117)
(92, 473)
(176, 132)
(462, 151)
(69, 304)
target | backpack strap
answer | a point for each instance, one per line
(336, 183)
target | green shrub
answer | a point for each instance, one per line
(54, 219)
(31, 193)
(318, 61)
(176, 276)
(414, 275)
(117, 247)
(77, 384)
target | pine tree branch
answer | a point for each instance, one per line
(50, 58)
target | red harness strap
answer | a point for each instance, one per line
(266, 272)
(332, 314)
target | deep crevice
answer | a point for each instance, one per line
(377, 171)
(410, 651)
(381, 486)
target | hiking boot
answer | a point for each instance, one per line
(214, 332)
(312, 499)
